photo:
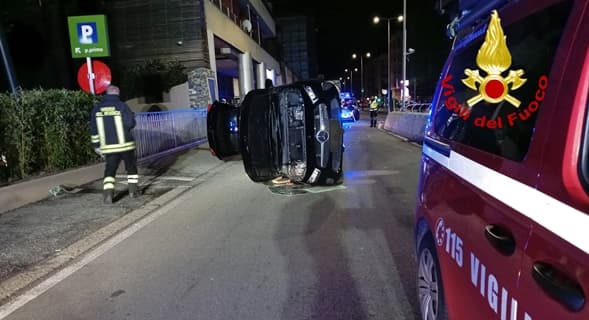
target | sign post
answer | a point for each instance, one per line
(90, 75)
(89, 39)
(5, 55)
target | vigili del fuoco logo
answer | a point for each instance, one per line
(494, 59)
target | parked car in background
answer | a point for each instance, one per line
(364, 103)
(503, 199)
(347, 115)
(291, 131)
(350, 113)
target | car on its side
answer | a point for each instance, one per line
(502, 213)
(291, 131)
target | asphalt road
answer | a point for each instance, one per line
(228, 248)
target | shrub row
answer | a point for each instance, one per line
(44, 131)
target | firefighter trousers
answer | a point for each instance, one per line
(112, 165)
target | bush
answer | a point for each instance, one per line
(44, 131)
(151, 78)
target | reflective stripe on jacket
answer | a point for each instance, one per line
(111, 122)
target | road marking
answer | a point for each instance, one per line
(44, 286)
(174, 178)
(160, 206)
(187, 179)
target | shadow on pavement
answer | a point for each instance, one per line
(356, 242)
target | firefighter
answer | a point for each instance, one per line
(111, 122)
(373, 112)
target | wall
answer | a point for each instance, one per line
(154, 29)
(198, 87)
(176, 99)
(179, 96)
(410, 125)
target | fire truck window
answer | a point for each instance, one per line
(584, 154)
(493, 110)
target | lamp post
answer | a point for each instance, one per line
(354, 56)
(404, 52)
(351, 78)
(7, 62)
(376, 20)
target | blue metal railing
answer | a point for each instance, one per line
(413, 106)
(418, 107)
(158, 133)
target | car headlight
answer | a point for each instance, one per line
(346, 114)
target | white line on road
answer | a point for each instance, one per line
(47, 284)
(176, 178)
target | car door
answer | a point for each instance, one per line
(555, 270)
(480, 239)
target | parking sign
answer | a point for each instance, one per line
(88, 36)
(86, 33)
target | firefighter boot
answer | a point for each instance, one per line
(133, 190)
(108, 195)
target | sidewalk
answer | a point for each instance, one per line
(39, 238)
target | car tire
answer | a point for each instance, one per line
(430, 289)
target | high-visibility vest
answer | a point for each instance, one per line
(111, 122)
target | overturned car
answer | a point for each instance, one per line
(291, 131)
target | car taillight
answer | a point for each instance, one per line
(209, 107)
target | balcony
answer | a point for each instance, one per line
(253, 17)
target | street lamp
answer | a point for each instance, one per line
(354, 56)
(376, 20)
(404, 52)
(351, 77)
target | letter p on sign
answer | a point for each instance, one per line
(87, 33)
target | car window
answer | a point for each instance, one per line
(490, 100)
(584, 154)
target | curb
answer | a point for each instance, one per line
(23, 193)
(404, 139)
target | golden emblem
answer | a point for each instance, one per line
(494, 58)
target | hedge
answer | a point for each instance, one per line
(44, 131)
(151, 76)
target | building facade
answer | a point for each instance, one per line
(224, 46)
(219, 43)
(297, 37)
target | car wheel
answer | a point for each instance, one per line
(430, 289)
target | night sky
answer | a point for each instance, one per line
(345, 27)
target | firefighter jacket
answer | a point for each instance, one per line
(111, 122)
